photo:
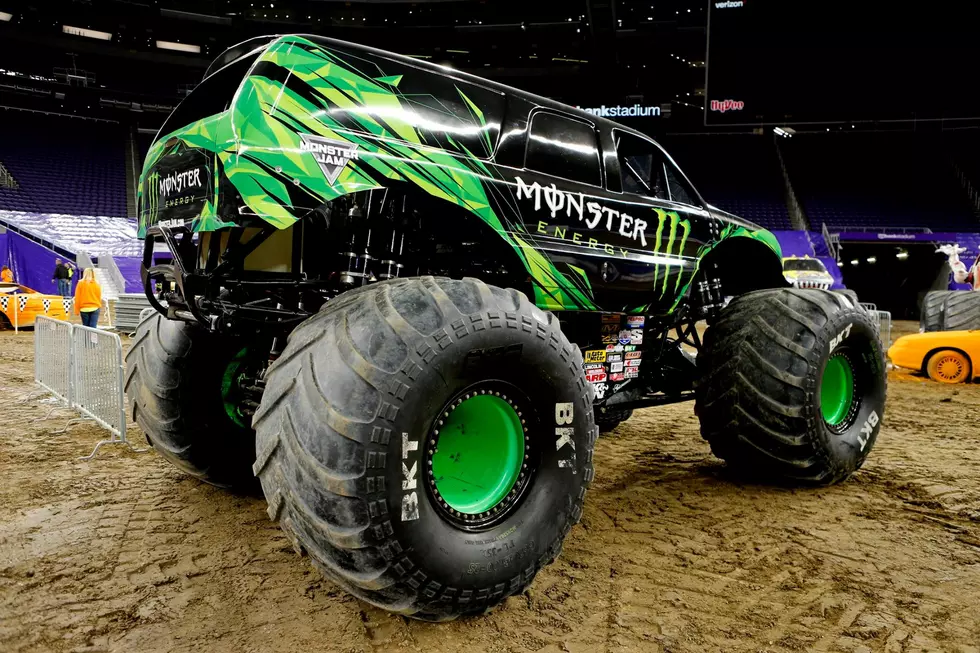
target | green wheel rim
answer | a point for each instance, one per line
(230, 396)
(479, 454)
(837, 390)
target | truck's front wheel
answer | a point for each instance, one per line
(428, 442)
(183, 386)
(792, 385)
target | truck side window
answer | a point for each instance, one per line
(641, 165)
(680, 190)
(563, 147)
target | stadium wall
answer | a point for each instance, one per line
(31, 263)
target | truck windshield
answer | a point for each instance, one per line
(803, 265)
(211, 96)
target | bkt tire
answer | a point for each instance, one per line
(428, 442)
(961, 311)
(792, 386)
(851, 295)
(174, 383)
(931, 316)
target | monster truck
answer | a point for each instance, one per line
(399, 295)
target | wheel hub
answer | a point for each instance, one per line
(837, 391)
(950, 368)
(477, 456)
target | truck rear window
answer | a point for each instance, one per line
(213, 95)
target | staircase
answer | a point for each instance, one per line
(133, 168)
(797, 216)
(110, 292)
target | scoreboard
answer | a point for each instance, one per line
(786, 61)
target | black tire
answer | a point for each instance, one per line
(933, 306)
(362, 383)
(762, 366)
(851, 295)
(173, 384)
(961, 311)
(608, 419)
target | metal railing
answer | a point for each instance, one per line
(83, 367)
(52, 357)
(882, 320)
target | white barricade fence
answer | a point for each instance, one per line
(52, 357)
(84, 368)
(882, 320)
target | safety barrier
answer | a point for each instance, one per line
(83, 367)
(52, 357)
(883, 320)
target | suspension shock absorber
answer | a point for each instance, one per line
(394, 242)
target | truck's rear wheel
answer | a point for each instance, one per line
(793, 385)
(961, 311)
(428, 442)
(931, 316)
(183, 391)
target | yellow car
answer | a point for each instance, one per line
(19, 306)
(946, 356)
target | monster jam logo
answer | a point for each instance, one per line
(575, 206)
(333, 156)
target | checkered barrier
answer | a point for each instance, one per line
(83, 367)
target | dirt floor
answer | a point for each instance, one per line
(124, 553)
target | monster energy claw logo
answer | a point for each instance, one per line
(333, 156)
(150, 195)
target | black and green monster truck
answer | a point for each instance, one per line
(407, 299)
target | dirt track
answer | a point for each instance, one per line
(126, 554)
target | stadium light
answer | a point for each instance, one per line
(902, 255)
(90, 33)
(786, 132)
(5, 16)
(872, 259)
(179, 47)
(855, 262)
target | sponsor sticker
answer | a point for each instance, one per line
(610, 318)
(611, 339)
(600, 390)
(595, 356)
(633, 354)
(616, 367)
(629, 348)
(614, 358)
(634, 362)
(616, 347)
(635, 321)
(632, 372)
(595, 376)
(594, 366)
(636, 337)
(616, 377)
(624, 337)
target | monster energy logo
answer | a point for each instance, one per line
(150, 196)
(575, 206)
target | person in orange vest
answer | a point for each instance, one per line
(6, 276)
(88, 299)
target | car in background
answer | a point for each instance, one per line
(806, 272)
(944, 356)
(19, 305)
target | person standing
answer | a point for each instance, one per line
(6, 276)
(88, 299)
(61, 276)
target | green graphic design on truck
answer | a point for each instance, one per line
(407, 300)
